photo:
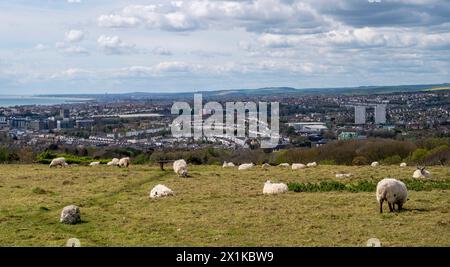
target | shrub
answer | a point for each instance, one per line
(366, 186)
(392, 160)
(419, 155)
(360, 161)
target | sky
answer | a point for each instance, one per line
(112, 46)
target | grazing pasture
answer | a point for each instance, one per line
(218, 206)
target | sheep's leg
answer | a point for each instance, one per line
(393, 206)
(390, 206)
(381, 205)
(400, 207)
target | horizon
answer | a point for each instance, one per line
(98, 46)
(219, 90)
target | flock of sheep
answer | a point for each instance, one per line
(393, 191)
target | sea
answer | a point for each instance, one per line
(11, 101)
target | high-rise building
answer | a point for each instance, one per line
(380, 114)
(360, 115)
(64, 113)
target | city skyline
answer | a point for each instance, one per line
(98, 46)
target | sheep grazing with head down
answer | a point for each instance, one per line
(265, 166)
(375, 164)
(311, 164)
(393, 191)
(403, 164)
(272, 188)
(61, 162)
(298, 166)
(180, 168)
(228, 164)
(124, 162)
(245, 166)
(114, 162)
(421, 173)
(161, 191)
(94, 164)
(285, 165)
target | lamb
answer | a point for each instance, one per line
(421, 173)
(271, 188)
(94, 164)
(58, 162)
(311, 164)
(343, 175)
(298, 166)
(403, 164)
(265, 166)
(245, 166)
(393, 191)
(284, 165)
(161, 191)
(180, 168)
(228, 164)
(114, 162)
(375, 164)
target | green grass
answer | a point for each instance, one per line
(366, 186)
(219, 207)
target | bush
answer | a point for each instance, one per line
(360, 161)
(419, 155)
(392, 160)
(366, 186)
(46, 157)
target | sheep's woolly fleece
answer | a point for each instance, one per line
(58, 162)
(161, 191)
(391, 190)
(180, 168)
(245, 166)
(274, 188)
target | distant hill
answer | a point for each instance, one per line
(362, 90)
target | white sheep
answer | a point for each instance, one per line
(375, 164)
(58, 162)
(393, 191)
(343, 175)
(403, 164)
(228, 164)
(311, 164)
(180, 168)
(124, 162)
(161, 191)
(114, 162)
(245, 166)
(271, 188)
(298, 166)
(421, 173)
(95, 164)
(284, 165)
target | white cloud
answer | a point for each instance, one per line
(71, 49)
(276, 16)
(73, 1)
(71, 73)
(114, 45)
(117, 21)
(74, 36)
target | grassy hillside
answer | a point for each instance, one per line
(215, 207)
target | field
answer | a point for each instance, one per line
(214, 207)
